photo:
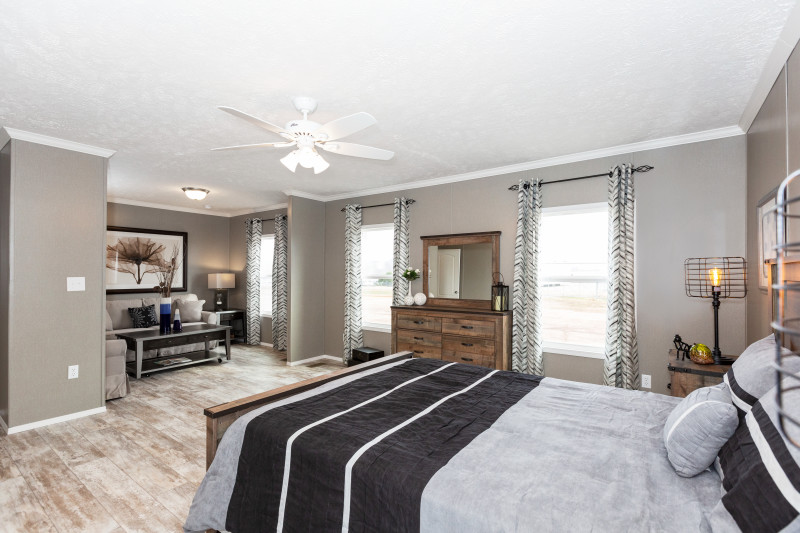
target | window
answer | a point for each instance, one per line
(377, 259)
(573, 275)
(267, 255)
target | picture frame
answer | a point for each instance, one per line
(133, 254)
(767, 236)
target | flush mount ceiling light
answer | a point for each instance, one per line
(195, 193)
(307, 136)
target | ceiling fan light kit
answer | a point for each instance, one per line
(194, 193)
(308, 135)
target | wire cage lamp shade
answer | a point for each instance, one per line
(716, 278)
(785, 285)
(731, 281)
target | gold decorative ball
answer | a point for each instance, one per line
(701, 354)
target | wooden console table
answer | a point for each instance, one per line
(149, 339)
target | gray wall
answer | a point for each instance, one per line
(55, 232)
(773, 151)
(5, 229)
(307, 281)
(207, 243)
(689, 206)
(238, 261)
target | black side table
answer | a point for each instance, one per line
(232, 318)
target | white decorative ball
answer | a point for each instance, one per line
(420, 298)
(409, 300)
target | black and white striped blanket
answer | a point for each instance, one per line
(433, 446)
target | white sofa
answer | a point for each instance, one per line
(117, 385)
(118, 320)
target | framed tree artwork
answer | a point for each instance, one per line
(135, 257)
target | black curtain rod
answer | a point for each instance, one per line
(408, 202)
(642, 169)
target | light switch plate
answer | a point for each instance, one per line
(76, 284)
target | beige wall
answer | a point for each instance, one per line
(773, 151)
(306, 279)
(55, 232)
(237, 243)
(5, 229)
(207, 242)
(690, 205)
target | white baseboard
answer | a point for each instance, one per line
(50, 421)
(268, 345)
(314, 360)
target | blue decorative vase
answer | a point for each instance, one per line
(176, 326)
(166, 316)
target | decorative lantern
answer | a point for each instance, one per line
(499, 293)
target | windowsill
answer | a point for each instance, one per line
(380, 328)
(266, 316)
(592, 352)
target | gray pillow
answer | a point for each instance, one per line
(752, 374)
(698, 427)
(191, 311)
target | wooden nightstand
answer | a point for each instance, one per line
(230, 317)
(688, 376)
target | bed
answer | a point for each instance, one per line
(405, 444)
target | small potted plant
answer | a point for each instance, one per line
(410, 274)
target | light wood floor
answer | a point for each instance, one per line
(137, 466)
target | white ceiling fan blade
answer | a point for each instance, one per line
(263, 124)
(357, 150)
(342, 127)
(259, 145)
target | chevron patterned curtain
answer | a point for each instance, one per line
(621, 366)
(352, 336)
(401, 258)
(526, 347)
(253, 274)
(280, 286)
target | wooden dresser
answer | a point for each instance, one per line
(473, 336)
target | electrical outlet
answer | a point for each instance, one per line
(72, 372)
(646, 381)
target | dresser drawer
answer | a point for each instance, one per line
(423, 338)
(426, 323)
(482, 347)
(471, 328)
(420, 350)
(468, 358)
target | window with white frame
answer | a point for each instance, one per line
(573, 274)
(267, 256)
(377, 256)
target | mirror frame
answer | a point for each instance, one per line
(492, 237)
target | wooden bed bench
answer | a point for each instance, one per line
(220, 417)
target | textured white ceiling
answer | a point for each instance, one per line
(456, 87)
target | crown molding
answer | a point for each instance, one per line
(708, 135)
(309, 196)
(273, 207)
(115, 200)
(55, 142)
(775, 62)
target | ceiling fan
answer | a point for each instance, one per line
(308, 136)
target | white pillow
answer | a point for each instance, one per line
(698, 427)
(191, 311)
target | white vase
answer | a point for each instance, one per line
(408, 299)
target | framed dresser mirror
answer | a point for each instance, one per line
(457, 269)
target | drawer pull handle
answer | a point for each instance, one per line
(466, 344)
(418, 351)
(466, 359)
(419, 338)
(467, 327)
(419, 322)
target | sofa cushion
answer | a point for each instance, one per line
(143, 317)
(191, 311)
(118, 311)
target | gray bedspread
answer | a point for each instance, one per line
(566, 457)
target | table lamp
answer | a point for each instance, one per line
(221, 282)
(715, 278)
